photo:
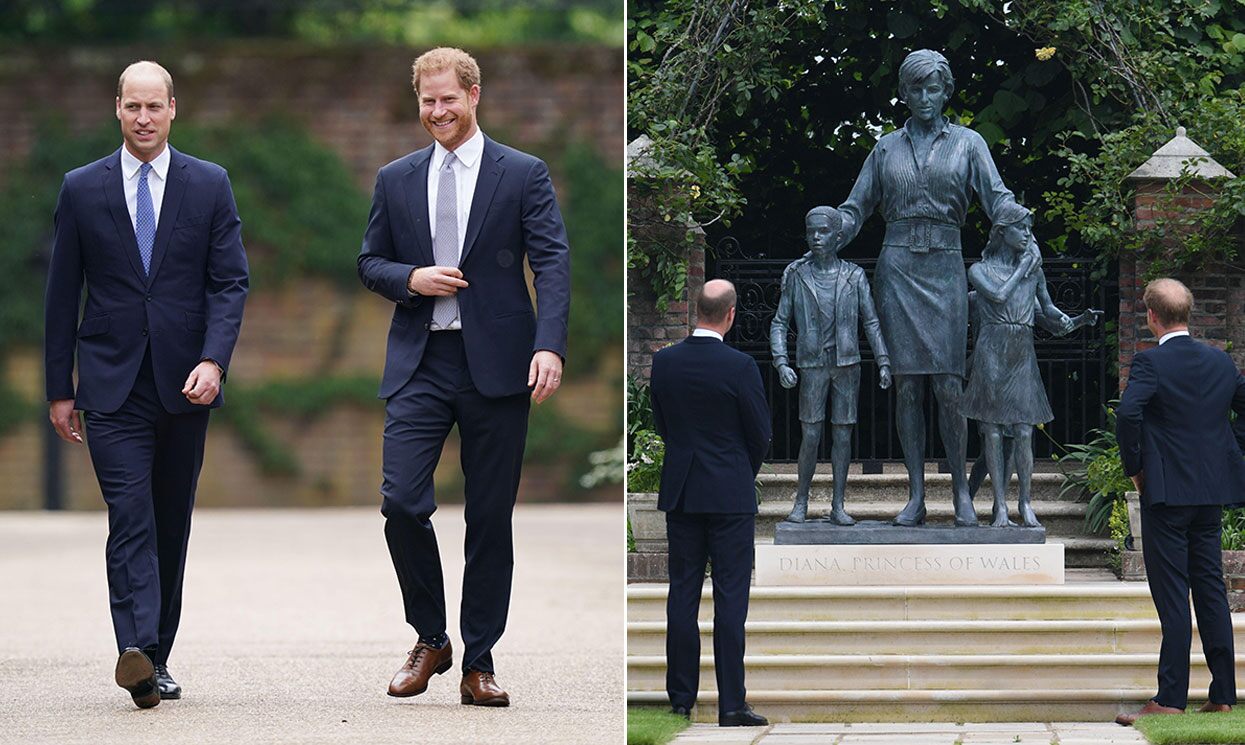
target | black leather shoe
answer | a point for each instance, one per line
(169, 689)
(681, 711)
(744, 717)
(136, 674)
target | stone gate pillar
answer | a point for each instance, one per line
(1219, 301)
(649, 329)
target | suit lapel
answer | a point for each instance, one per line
(486, 184)
(114, 193)
(174, 189)
(414, 185)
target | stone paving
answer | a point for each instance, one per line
(292, 627)
(1006, 733)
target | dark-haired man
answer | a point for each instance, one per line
(154, 236)
(709, 408)
(1178, 447)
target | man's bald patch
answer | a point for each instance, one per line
(1170, 301)
(146, 67)
(716, 299)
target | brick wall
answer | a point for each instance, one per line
(1218, 315)
(649, 329)
(356, 100)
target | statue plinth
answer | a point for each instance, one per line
(878, 533)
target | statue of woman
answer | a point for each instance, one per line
(922, 178)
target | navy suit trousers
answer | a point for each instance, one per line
(147, 462)
(726, 540)
(1182, 553)
(492, 433)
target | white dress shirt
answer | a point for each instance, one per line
(708, 332)
(1172, 335)
(466, 172)
(155, 182)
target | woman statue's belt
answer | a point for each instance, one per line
(921, 235)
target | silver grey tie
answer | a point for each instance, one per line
(445, 245)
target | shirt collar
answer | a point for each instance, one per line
(708, 332)
(1173, 334)
(907, 126)
(468, 153)
(130, 164)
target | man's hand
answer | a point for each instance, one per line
(65, 420)
(787, 376)
(436, 281)
(203, 385)
(884, 377)
(545, 374)
(1139, 481)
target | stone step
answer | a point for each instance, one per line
(871, 487)
(820, 672)
(951, 637)
(1087, 601)
(1055, 704)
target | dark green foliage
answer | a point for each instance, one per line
(302, 214)
(1233, 537)
(1096, 473)
(463, 22)
(594, 224)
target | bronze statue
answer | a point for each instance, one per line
(1005, 394)
(826, 299)
(922, 179)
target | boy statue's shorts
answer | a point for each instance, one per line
(843, 386)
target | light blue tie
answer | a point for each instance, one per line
(144, 219)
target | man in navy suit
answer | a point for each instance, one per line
(709, 408)
(449, 228)
(154, 236)
(1177, 445)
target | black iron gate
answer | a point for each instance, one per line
(1079, 369)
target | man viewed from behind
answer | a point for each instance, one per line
(1177, 445)
(154, 237)
(709, 408)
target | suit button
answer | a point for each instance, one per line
(149, 298)
(144, 332)
(427, 326)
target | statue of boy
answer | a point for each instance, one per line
(826, 299)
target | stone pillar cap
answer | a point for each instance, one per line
(637, 153)
(1179, 156)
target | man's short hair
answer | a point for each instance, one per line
(1170, 300)
(832, 215)
(713, 308)
(446, 58)
(168, 79)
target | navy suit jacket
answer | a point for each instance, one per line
(1172, 423)
(514, 213)
(188, 307)
(709, 407)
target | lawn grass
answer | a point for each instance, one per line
(1194, 729)
(647, 725)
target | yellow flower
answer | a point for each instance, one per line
(1044, 54)
(695, 191)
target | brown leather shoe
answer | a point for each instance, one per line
(421, 664)
(1212, 708)
(480, 689)
(136, 674)
(1150, 708)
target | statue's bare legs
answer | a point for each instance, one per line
(952, 426)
